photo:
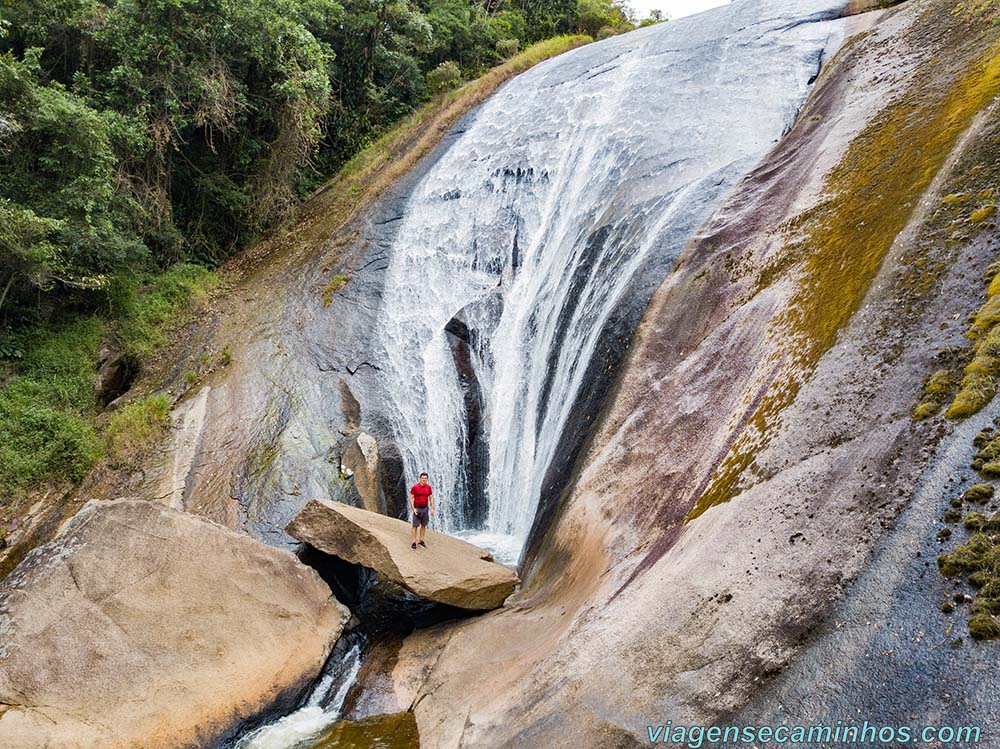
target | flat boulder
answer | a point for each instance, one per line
(448, 571)
(143, 626)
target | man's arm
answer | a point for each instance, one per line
(430, 498)
(413, 499)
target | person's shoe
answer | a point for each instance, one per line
(423, 544)
(413, 545)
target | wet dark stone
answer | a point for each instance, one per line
(463, 340)
(115, 375)
(383, 607)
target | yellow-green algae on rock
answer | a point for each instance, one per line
(979, 380)
(981, 214)
(868, 199)
(937, 388)
(975, 369)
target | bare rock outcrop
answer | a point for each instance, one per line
(142, 626)
(449, 570)
(361, 462)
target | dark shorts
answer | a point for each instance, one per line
(420, 516)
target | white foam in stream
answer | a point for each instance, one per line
(298, 730)
(505, 548)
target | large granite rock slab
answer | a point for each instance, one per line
(448, 571)
(143, 626)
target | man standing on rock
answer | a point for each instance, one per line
(422, 504)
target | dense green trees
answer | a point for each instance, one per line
(140, 133)
(144, 141)
(65, 217)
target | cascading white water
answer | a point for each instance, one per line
(540, 218)
(298, 729)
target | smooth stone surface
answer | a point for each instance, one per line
(360, 461)
(448, 571)
(142, 626)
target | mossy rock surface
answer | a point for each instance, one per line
(978, 553)
(983, 438)
(841, 243)
(987, 452)
(984, 627)
(925, 409)
(985, 605)
(974, 521)
(978, 579)
(983, 213)
(979, 493)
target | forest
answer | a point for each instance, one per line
(144, 142)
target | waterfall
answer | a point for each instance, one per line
(298, 729)
(567, 197)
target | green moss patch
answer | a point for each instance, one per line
(135, 429)
(981, 214)
(937, 389)
(978, 560)
(978, 493)
(335, 284)
(974, 521)
(984, 627)
(987, 458)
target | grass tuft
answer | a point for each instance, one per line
(334, 285)
(136, 428)
(147, 310)
(47, 404)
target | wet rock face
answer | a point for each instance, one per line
(448, 571)
(694, 607)
(302, 384)
(463, 344)
(142, 626)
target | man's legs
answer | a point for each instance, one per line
(413, 524)
(423, 530)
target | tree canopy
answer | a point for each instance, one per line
(140, 133)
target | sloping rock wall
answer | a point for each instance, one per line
(759, 443)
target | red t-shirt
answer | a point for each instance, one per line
(420, 494)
